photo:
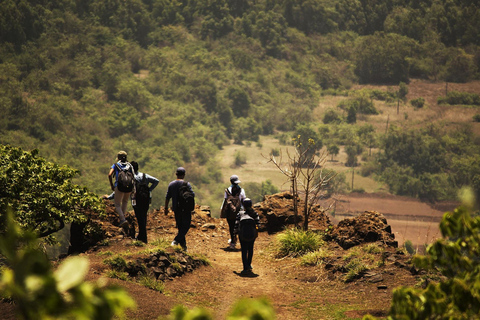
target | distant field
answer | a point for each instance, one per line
(410, 219)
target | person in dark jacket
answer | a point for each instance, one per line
(182, 219)
(141, 204)
(247, 217)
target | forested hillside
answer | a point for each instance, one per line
(171, 82)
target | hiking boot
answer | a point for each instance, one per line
(232, 245)
(245, 272)
(123, 223)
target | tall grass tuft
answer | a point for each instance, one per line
(315, 258)
(296, 242)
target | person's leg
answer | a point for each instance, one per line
(250, 254)
(118, 198)
(244, 249)
(141, 214)
(125, 199)
(231, 229)
(185, 226)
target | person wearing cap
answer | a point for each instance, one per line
(182, 219)
(236, 191)
(244, 216)
(120, 198)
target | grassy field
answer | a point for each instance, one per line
(258, 168)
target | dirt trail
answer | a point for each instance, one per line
(221, 284)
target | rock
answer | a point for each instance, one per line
(369, 226)
(376, 278)
(209, 226)
(382, 287)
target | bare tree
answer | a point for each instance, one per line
(305, 171)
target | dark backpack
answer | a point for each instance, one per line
(142, 190)
(232, 205)
(125, 179)
(186, 198)
(247, 230)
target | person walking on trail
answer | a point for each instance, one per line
(232, 203)
(246, 226)
(123, 185)
(183, 203)
(144, 185)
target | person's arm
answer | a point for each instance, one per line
(153, 182)
(110, 178)
(167, 200)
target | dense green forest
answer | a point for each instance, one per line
(171, 82)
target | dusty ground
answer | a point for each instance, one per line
(296, 292)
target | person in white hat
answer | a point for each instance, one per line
(232, 203)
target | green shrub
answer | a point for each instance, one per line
(460, 98)
(240, 158)
(39, 292)
(456, 294)
(476, 118)
(331, 116)
(296, 242)
(417, 103)
(409, 247)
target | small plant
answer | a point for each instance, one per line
(202, 258)
(275, 152)
(373, 248)
(408, 245)
(476, 118)
(116, 263)
(177, 266)
(355, 268)
(136, 243)
(160, 242)
(296, 242)
(315, 258)
(152, 283)
(115, 274)
(105, 253)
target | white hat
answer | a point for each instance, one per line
(234, 179)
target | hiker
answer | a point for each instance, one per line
(178, 190)
(232, 202)
(122, 187)
(141, 199)
(246, 226)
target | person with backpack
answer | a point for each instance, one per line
(246, 226)
(123, 186)
(183, 203)
(144, 185)
(232, 203)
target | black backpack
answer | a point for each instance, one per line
(125, 179)
(232, 205)
(142, 190)
(186, 198)
(247, 230)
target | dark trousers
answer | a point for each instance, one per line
(247, 254)
(231, 228)
(141, 210)
(183, 221)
